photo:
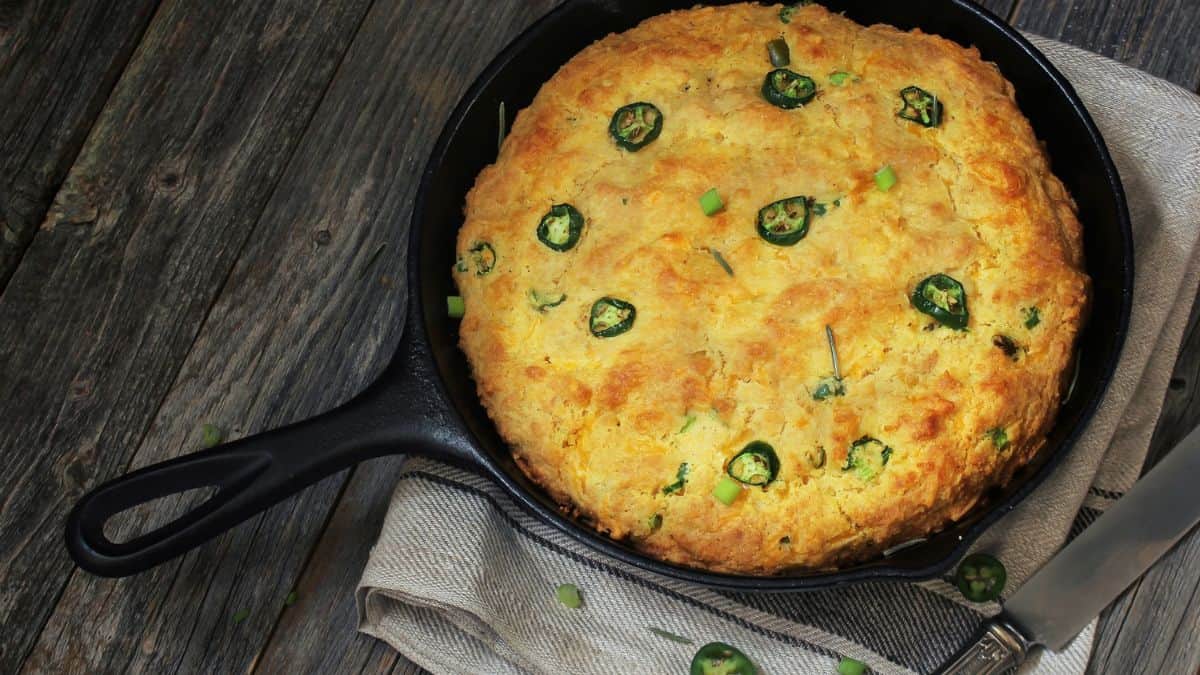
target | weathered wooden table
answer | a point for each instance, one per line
(202, 207)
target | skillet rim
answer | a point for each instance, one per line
(874, 569)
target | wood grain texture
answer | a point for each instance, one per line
(110, 296)
(1158, 36)
(58, 63)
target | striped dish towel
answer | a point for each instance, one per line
(462, 581)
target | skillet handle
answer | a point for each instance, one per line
(404, 410)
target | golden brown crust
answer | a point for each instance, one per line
(598, 422)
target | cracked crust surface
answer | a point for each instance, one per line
(599, 422)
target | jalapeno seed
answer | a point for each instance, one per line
(757, 464)
(610, 317)
(867, 457)
(981, 577)
(561, 227)
(636, 125)
(718, 658)
(943, 298)
(784, 222)
(787, 89)
(920, 106)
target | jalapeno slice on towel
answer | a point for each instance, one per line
(867, 457)
(981, 577)
(756, 464)
(943, 298)
(784, 222)
(920, 106)
(560, 228)
(481, 256)
(718, 658)
(636, 125)
(788, 89)
(610, 317)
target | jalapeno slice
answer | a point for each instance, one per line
(544, 302)
(636, 125)
(920, 106)
(981, 577)
(718, 658)
(867, 457)
(756, 464)
(481, 256)
(784, 222)
(610, 317)
(943, 298)
(788, 89)
(560, 228)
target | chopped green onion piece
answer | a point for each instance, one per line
(680, 480)
(654, 521)
(999, 437)
(455, 306)
(778, 52)
(885, 178)
(669, 635)
(727, 490)
(210, 435)
(839, 78)
(710, 202)
(240, 615)
(290, 599)
(687, 423)
(568, 595)
(721, 261)
(1032, 317)
(503, 128)
(849, 666)
(785, 14)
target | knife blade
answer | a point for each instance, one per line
(1090, 572)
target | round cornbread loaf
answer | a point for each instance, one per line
(633, 431)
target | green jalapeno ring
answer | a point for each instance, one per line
(788, 89)
(784, 222)
(920, 106)
(630, 127)
(561, 227)
(610, 317)
(718, 658)
(980, 577)
(943, 298)
(757, 464)
(867, 457)
(482, 255)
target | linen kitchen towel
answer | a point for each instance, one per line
(462, 581)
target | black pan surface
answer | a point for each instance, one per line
(425, 401)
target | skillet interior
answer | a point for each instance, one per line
(1078, 157)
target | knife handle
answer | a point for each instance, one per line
(997, 648)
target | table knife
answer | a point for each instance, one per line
(1069, 591)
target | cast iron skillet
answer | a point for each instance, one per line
(425, 402)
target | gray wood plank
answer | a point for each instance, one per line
(107, 303)
(1153, 627)
(398, 106)
(1158, 36)
(58, 63)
